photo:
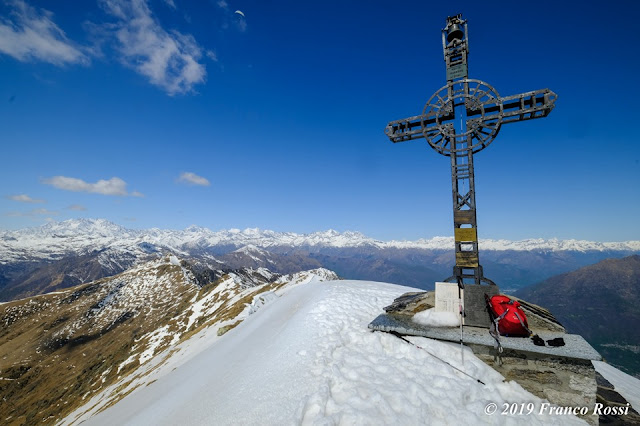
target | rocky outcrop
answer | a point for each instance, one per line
(563, 381)
(609, 397)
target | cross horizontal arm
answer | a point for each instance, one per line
(488, 111)
(527, 106)
(410, 128)
(521, 107)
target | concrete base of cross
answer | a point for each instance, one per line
(448, 298)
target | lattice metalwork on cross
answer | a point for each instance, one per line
(459, 120)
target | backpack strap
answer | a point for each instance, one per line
(494, 331)
(522, 322)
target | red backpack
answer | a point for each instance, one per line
(507, 316)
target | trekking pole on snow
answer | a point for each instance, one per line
(461, 320)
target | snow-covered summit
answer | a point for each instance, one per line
(250, 249)
(307, 357)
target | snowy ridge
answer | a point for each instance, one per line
(212, 312)
(54, 240)
(308, 358)
(109, 334)
(254, 253)
(140, 290)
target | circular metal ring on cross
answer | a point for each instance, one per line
(483, 112)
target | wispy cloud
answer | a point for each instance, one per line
(44, 212)
(169, 59)
(170, 3)
(34, 212)
(212, 55)
(24, 198)
(77, 208)
(241, 23)
(29, 34)
(193, 179)
(113, 186)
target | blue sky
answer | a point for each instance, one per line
(167, 113)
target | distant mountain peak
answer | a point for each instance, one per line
(251, 249)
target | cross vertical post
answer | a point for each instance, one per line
(460, 119)
(467, 267)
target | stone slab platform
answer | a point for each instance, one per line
(481, 341)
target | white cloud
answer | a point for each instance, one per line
(34, 212)
(193, 179)
(24, 198)
(31, 35)
(170, 3)
(169, 59)
(113, 186)
(211, 55)
(77, 207)
(44, 212)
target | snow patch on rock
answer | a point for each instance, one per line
(431, 318)
(261, 300)
(626, 385)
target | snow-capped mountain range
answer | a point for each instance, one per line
(63, 254)
(55, 239)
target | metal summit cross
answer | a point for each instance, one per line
(459, 120)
